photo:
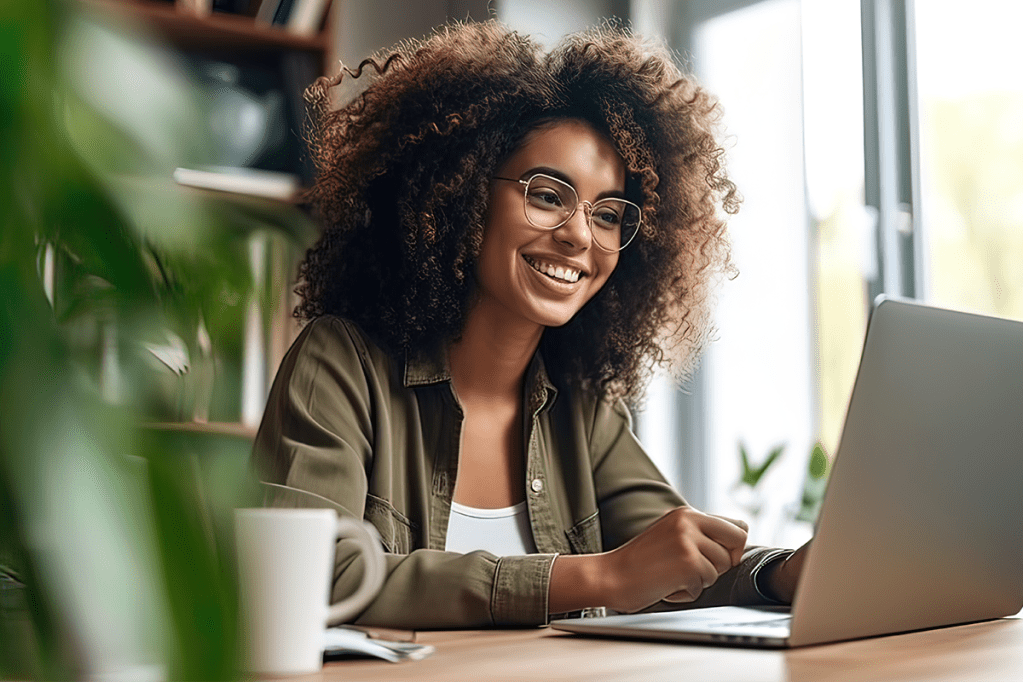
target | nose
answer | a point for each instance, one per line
(576, 230)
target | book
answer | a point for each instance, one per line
(283, 12)
(231, 6)
(197, 7)
(298, 71)
(307, 17)
(267, 10)
(250, 181)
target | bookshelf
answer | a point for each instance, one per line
(188, 29)
(241, 40)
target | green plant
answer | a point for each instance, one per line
(816, 481)
(751, 474)
(745, 493)
(106, 554)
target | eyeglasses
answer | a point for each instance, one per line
(550, 203)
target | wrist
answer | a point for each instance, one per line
(609, 579)
(580, 581)
(617, 589)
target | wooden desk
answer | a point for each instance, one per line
(977, 653)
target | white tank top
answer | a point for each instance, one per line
(503, 532)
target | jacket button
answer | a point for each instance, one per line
(536, 485)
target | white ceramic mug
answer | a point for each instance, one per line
(285, 566)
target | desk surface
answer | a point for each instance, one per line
(984, 651)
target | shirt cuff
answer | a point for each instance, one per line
(521, 590)
(744, 591)
(768, 557)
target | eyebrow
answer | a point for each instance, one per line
(555, 173)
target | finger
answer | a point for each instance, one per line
(705, 574)
(729, 535)
(680, 597)
(736, 555)
(736, 522)
(719, 556)
(685, 595)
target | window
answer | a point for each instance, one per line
(756, 382)
(971, 153)
(790, 327)
(842, 229)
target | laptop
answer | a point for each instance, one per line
(922, 522)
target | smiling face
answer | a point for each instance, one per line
(540, 277)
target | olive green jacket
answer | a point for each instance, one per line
(348, 427)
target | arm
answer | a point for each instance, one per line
(698, 558)
(318, 440)
(681, 554)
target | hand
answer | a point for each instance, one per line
(782, 577)
(676, 558)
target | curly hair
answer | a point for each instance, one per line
(404, 167)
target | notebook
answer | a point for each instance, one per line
(922, 521)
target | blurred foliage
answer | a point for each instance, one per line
(109, 561)
(752, 473)
(815, 481)
(814, 485)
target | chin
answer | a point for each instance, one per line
(549, 318)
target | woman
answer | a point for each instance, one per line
(512, 240)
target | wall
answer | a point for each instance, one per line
(364, 26)
(540, 19)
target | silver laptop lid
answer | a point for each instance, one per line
(922, 522)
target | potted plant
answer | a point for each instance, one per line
(108, 563)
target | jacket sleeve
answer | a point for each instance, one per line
(314, 448)
(632, 494)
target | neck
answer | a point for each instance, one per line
(491, 357)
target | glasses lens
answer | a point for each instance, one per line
(549, 202)
(614, 223)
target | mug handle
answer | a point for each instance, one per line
(373, 573)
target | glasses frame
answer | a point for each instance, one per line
(590, 206)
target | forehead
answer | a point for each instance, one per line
(574, 148)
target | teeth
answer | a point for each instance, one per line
(557, 272)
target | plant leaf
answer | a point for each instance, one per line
(819, 465)
(751, 474)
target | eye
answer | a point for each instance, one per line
(545, 196)
(606, 218)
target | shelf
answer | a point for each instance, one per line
(229, 429)
(214, 31)
(165, 186)
(291, 217)
(246, 200)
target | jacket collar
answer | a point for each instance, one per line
(426, 367)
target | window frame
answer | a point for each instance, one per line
(891, 139)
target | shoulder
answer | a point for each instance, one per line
(339, 333)
(332, 331)
(337, 348)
